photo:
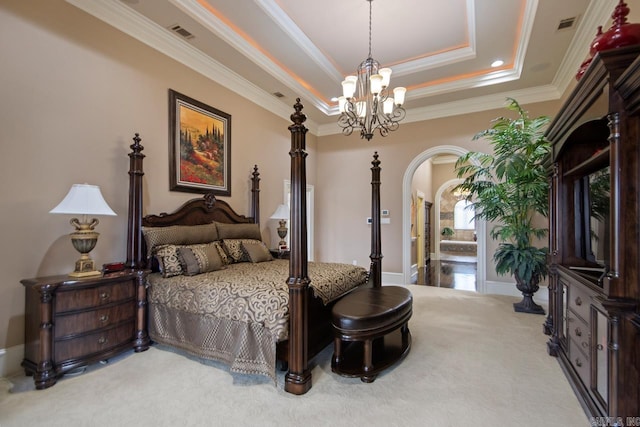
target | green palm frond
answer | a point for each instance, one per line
(509, 187)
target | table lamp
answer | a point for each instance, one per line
(84, 199)
(282, 214)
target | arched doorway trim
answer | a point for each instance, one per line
(406, 216)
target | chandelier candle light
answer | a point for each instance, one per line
(84, 199)
(370, 108)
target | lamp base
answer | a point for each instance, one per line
(282, 232)
(85, 267)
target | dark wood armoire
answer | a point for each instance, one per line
(594, 224)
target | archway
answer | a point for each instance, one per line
(406, 217)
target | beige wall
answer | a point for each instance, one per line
(74, 92)
(345, 160)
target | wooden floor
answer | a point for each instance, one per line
(448, 274)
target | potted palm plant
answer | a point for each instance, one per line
(509, 188)
(447, 232)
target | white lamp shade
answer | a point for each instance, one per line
(342, 102)
(386, 76)
(83, 199)
(398, 94)
(376, 83)
(349, 86)
(387, 107)
(282, 212)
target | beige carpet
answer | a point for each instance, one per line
(474, 362)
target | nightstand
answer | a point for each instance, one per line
(71, 322)
(280, 254)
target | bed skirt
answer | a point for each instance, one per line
(246, 348)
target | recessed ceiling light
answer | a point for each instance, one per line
(497, 63)
(334, 99)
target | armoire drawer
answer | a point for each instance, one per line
(579, 301)
(580, 361)
(579, 331)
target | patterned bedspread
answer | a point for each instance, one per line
(236, 315)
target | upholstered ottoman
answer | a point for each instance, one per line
(371, 331)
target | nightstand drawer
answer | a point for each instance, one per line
(93, 297)
(98, 342)
(73, 324)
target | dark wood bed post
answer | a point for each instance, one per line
(298, 377)
(375, 270)
(255, 195)
(135, 258)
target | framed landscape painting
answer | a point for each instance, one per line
(200, 147)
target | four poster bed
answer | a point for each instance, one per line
(214, 290)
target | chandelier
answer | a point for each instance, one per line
(365, 103)
(461, 194)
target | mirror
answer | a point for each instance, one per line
(598, 196)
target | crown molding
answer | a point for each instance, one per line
(598, 13)
(466, 106)
(141, 28)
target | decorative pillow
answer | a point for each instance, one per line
(238, 231)
(233, 248)
(179, 235)
(168, 260)
(256, 251)
(221, 251)
(196, 259)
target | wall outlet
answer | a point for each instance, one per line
(385, 212)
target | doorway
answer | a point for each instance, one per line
(406, 217)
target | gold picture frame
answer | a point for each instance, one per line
(200, 147)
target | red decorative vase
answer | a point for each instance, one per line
(621, 32)
(619, 35)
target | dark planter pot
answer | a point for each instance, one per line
(527, 305)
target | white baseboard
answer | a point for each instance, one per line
(392, 278)
(506, 288)
(10, 359)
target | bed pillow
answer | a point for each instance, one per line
(256, 251)
(179, 235)
(238, 231)
(235, 251)
(168, 260)
(222, 252)
(196, 259)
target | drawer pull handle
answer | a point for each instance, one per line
(600, 347)
(104, 295)
(578, 363)
(578, 332)
(102, 340)
(104, 318)
(578, 301)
